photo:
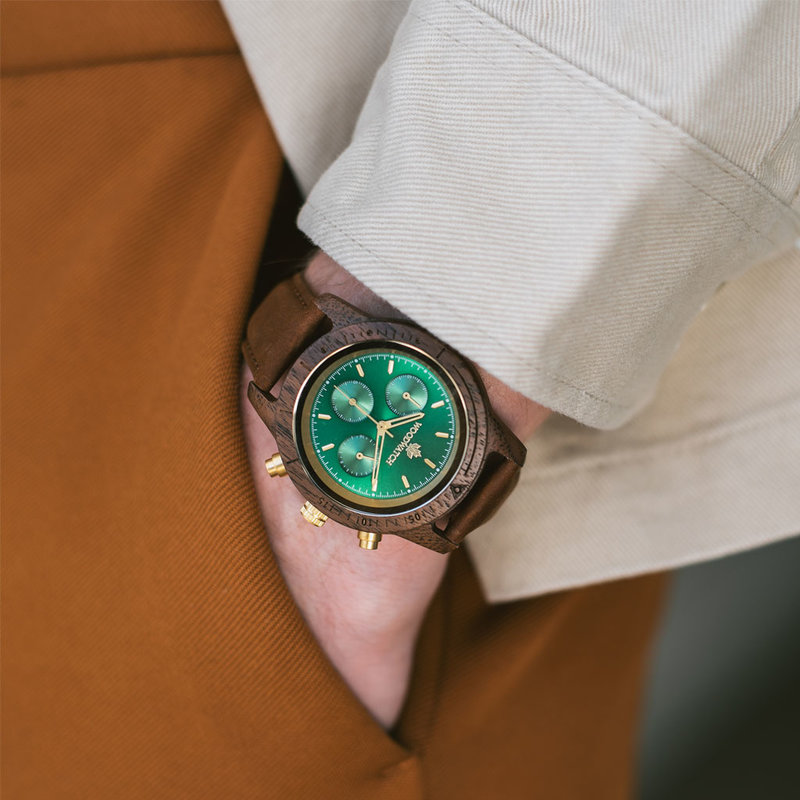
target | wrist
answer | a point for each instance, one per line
(324, 275)
(522, 415)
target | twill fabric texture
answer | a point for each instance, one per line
(150, 646)
(590, 200)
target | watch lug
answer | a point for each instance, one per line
(338, 311)
(263, 403)
(501, 439)
(428, 536)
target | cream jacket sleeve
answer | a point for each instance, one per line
(556, 189)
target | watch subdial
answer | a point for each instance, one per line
(357, 455)
(406, 394)
(352, 401)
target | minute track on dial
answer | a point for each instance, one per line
(399, 472)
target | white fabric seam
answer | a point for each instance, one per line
(521, 591)
(521, 588)
(323, 218)
(670, 133)
(691, 441)
(639, 151)
(327, 221)
(611, 95)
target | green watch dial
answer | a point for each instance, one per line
(381, 427)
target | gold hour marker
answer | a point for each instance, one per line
(328, 446)
(405, 481)
(442, 435)
(430, 463)
(323, 416)
(360, 370)
(390, 371)
(438, 404)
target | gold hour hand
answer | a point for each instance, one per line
(403, 420)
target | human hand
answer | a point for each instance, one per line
(365, 608)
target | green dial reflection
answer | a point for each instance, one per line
(388, 398)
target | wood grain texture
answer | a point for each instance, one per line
(492, 457)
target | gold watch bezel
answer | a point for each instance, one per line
(358, 503)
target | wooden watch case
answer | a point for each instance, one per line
(484, 435)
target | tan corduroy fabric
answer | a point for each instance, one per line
(151, 649)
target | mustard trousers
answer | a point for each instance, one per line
(151, 647)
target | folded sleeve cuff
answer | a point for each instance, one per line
(550, 228)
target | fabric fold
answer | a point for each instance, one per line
(547, 225)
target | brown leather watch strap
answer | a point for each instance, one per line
(500, 474)
(497, 481)
(289, 320)
(285, 323)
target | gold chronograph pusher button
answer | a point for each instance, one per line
(274, 465)
(313, 515)
(367, 540)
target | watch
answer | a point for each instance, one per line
(380, 425)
